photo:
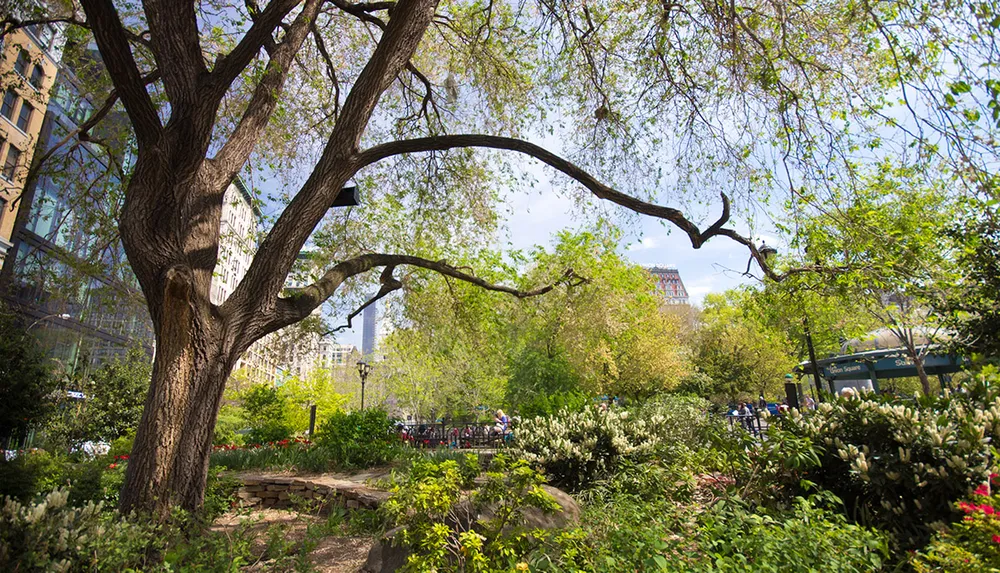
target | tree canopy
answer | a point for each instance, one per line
(712, 108)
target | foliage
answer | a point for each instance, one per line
(48, 535)
(900, 466)
(362, 438)
(740, 356)
(484, 533)
(227, 424)
(651, 531)
(462, 347)
(266, 412)
(550, 404)
(576, 448)
(316, 389)
(114, 396)
(51, 535)
(26, 385)
(30, 472)
(285, 455)
(972, 544)
(972, 305)
(733, 536)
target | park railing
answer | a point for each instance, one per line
(750, 422)
(455, 436)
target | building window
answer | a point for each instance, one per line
(37, 76)
(9, 103)
(24, 118)
(44, 34)
(3, 209)
(21, 65)
(10, 164)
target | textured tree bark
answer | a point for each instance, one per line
(168, 465)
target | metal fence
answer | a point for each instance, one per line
(442, 435)
(750, 422)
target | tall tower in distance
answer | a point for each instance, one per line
(669, 283)
(368, 328)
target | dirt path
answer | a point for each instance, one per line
(277, 536)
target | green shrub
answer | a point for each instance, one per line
(54, 536)
(423, 505)
(549, 404)
(31, 472)
(577, 448)
(900, 466)
(728, 536)
(48, 536)
(970, 545)
(359, 439)
(266, 411)
(294, 454)
(227, 424)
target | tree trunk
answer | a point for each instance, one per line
(168, 465)
(925, 383)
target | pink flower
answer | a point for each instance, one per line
(996, 538)
(983, 489)
(112, 466)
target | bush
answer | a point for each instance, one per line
(423, 505)
(227, 424)
(53, 536)
(31, 472)
(972, 544)
(266, 412)
(728, 536)
(549, 404)
(899, 466)
(48, 536)
(577, 448)
(359, 439)
(286, 455)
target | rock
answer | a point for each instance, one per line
(384, 556)
(568, 516)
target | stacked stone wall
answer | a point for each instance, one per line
(285, 492)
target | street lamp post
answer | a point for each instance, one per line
(364, 369)
(63, 316)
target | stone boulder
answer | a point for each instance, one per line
(387, 557)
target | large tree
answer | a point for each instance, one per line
(696, 98)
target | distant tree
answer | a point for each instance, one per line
(972, 306)
(885, 248)
(739, 357)
(265, 411)
(317, 388)
(114, 396)
(27, 386)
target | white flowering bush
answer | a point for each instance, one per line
(46, 536)
(901, 466)
(576, 448)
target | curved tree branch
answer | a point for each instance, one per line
(234, 153)
(303, 301)
(128, 81)
(602, 191)
(230, 66)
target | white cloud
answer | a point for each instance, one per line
(645, 243)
